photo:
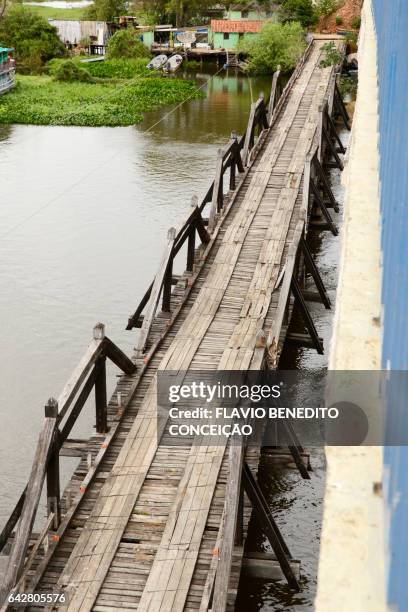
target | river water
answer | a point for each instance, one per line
(83, 217)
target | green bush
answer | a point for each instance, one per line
(276, 44)
(332, 55)
(35, 41)
(326, 7)
(119, 68)
(348, 85)
(70, 72)
(302, 11)
(125, 44)
(339, 20)
(106, 10)
(356, 23)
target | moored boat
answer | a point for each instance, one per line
(7, 70)
(157, 62)
(173, 63)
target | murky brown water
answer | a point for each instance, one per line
(83, 216)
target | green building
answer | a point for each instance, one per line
(240, 20)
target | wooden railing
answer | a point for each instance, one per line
(60, 417)
(233, 160)
(191, 227)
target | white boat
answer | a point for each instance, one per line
(157, 63)
(173, 63)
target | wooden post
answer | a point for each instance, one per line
(239, 531)
(191, 249)
(215, 203)
(192, 238)
(274, 90)
(249, 134)
(53, 469)
(233, 154)
(166, 301)
(101, 405)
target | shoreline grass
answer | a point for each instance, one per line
(48, 12)
(41, 100)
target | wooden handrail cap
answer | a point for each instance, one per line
(99, 331)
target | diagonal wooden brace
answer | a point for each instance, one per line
(269, 526)
(323, 207)
(297, 292)
(325, 183)
(338, 101)
(338, 163)
(312, 268)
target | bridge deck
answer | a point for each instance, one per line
(143, 535)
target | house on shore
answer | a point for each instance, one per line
(240, 20)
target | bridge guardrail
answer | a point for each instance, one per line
(60, 418)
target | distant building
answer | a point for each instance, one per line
(240, 20)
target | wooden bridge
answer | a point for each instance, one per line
(144, 523)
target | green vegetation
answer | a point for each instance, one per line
(119, 68)
(339, 20)
(70, 71)
(332, 55)
(106, 10)
(42, 100)
(108, 69)
(348, 85)
(180, 12)
(48, 12)
(276, 44)
(34, 39)
(302, 11)
(325, 8)
(125, 44)
(356, 23)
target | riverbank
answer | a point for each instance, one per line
(41, 100)
(49, 12)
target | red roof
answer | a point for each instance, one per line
(236, 25)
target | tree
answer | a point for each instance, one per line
(35, 41)
(106, 10)
(126, 44)
(276, 44)
(302, 11)
(179, 12)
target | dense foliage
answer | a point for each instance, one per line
(43, 100)
(179, 12)
(125, 44)
(70, 71)
(276, 44)
(332, 55)
(327, 7)
(302, 11)
(119, 68)
(106, 10)
(34, 39)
